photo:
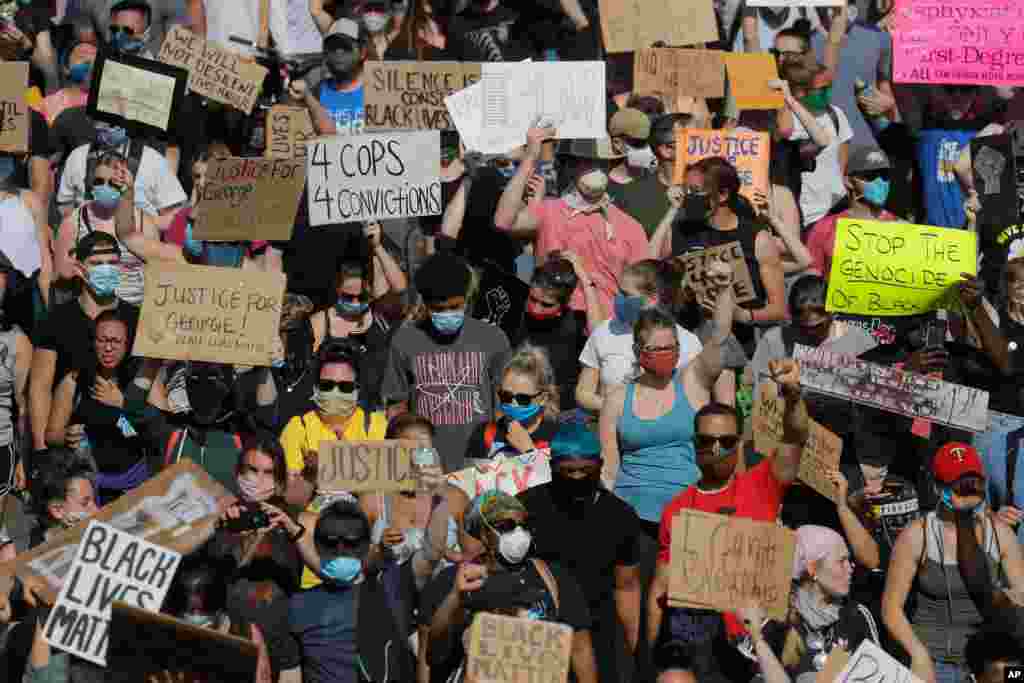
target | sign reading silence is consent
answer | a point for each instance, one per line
(204, 313)
(369, 177)
(882, 268)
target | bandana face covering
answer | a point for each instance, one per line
(660, 363)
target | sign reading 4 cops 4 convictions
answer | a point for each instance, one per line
(373, 177)
(882, 268)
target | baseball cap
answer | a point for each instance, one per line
(956, 460)
(663, 128)
(334, 527)
(345, 31)
(630, 123)
(865, 159)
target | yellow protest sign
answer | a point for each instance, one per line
(882, 268)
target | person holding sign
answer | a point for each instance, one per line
(506, 580)
(755, 494)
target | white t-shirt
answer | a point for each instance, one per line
(823, 188)
(289, 22)
(613, 355)
(18, 237)
(156, 188)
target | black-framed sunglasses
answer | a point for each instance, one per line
(344, 386)
(506, 526)
(705, 442)
(786, 54)
(518, 399)
(871, 176)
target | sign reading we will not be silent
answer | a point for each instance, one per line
(249, 199)
(884, 268)
(205, 313)
(369, 177)
(109, 565)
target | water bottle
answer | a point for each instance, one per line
(879, 123)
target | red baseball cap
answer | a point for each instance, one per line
(956, 460)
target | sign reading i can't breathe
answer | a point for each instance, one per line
(109, 565)
(371, 177)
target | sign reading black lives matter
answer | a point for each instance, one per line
(109, 565)
(371, 177)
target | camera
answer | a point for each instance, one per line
(250, 518)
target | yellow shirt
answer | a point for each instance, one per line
(304, 434)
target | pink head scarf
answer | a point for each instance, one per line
(813, 543)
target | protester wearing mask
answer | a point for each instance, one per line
(444, 364)
(583, 221)
(647, 425)
(77, 76)
(506, 579)
(129, 28)
(148, 21)
(924, 568)
(526, 407)
(65, 340)
(629, 130)
(261, 567)
(337, 416)
(423, 34)
(754, 494)
(581, 525)
(608, 359)
(646, 198)
(340, 92)
(822, 619)
(344, 626)
(550, 324)
(487, 31)
(380, 23)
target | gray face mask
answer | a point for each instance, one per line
(342, 63)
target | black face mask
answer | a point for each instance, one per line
(342, 63)
(573, 489)
(696, 208)
(208, 393)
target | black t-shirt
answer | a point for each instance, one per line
(645, 199)
(38, 146)
(488, 438)
(486, 37)
(563, 339)
(479, 239)
(1007, 394)
(589, 540)
(71, 334)
(570, 610)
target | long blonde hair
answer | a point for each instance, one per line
(533, 361)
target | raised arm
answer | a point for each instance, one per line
(321, 17)
(661, 240)
(512, 213)
(795, 422)
(993, 342)
(709, 363)
(864, 545)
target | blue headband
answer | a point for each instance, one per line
(574, 441)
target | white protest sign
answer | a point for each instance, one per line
(511, 475)
(109, 565)
(870, 662)
(303, 37)
(567, 95)
(796, 3)
(369, 177)
(466, 109)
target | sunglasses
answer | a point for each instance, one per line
(705, 442)
(870, 176)
(505, 526)
(106, 182)
(345, 386)
(784, 54)
(519, 399)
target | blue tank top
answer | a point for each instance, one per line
(937, 154)
(657, 459)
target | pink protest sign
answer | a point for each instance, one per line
(968, 42)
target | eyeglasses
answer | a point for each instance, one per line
(116, 28)
(786, 54)
(109, 341)
(360, 298)
(705, 442)
(505, 526)
(659, 349)
(345, 386)
(519, 399)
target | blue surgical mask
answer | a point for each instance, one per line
(521, 414)
(79, 73)
(126, 43)
(876, 192)
(448, 322)
(628, 308)
(104, 279)
(508, 170)
(342, 570)
(351, 308)
(106, 196)
(947, 500)
(191, 244)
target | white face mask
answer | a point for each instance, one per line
(514, 545)
(641, 158)
(375, 22)
(593, 183)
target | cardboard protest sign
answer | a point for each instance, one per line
(819, 456)
(356, 466)
(176, 510)
(629, 25)
(369, 177)
(205, 313)
(870, 662)
(138, 94)
(508, 475)
(726, 563)
(109, 565)
(679, 73)
(501, 298)
(411, 94)
(569, 96)
(836, 662)
(288, 129)
(696, 264)
(748, 151)
(511, 649)
(892, 389)
(14, 121)
(887, 268)
(147, 646)
(967, 42)
(749, 75)
(222, 75)
(249, 199)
